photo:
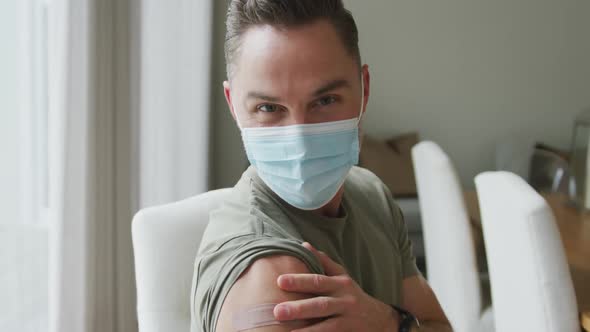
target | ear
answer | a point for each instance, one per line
(366, 76)
(227, 93)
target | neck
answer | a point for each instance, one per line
(332, 208)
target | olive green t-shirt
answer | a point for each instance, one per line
(369, 239)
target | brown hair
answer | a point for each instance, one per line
(243, 14)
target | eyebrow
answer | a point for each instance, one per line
(260, 95)
(333, 85)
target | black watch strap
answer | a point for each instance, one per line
(406, 319)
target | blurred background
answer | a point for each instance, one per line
(109, 106)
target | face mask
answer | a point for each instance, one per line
(304, 164)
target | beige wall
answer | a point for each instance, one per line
(227, 153)
(463, 73)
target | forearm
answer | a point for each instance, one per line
(422, 303)
(425, 326)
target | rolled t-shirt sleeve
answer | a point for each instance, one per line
(217, 270)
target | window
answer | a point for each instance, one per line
(23, 165)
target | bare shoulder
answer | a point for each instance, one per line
(258, 285)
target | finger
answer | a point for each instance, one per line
(330, 267)
(308, 246)
(328, 325)
(311, 283)
(315, 307)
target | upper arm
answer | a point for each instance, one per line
(258, 285)
(419, 299)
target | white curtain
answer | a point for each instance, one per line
(175, 70)
(129, 128)
(83, 169)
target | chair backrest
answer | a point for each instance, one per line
(165, 243)
(450, 255)
(529, 275)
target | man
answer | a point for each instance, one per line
(307, 241)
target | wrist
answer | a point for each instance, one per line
(393, 319)
(406, 322)
(390, 318)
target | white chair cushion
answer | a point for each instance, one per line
(450, 253)
(165, 242)
(530, 279)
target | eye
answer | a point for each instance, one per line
(267, 108)
(325, 101)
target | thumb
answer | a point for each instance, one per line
(330, 267)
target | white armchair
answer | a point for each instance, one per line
(531, 285)
(450, 254)
(165, 243)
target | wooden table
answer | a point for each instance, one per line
(574, 227)
(585, 318)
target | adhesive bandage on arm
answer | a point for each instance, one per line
(259, 316)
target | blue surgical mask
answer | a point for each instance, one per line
(304, 164)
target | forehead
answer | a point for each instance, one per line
(285, 56)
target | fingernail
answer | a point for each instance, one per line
(282, 311)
